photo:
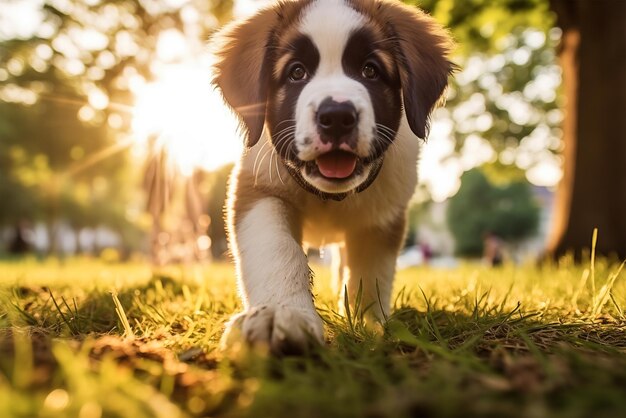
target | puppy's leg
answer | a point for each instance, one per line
(274, 280)
(371, 263)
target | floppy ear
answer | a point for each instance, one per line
(242, 70)
(422, 49)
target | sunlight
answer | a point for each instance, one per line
(440, 173)
(187, 117)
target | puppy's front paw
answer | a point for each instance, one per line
(283, 329)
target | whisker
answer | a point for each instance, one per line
(287, 143)
(385, 128)
(257, 156)
(285, 121)
(286, 134)
(287, 129)
(386, 134)
(389, 133)
(269, 166)
(259, 167)
(283, 138)
(278, 170)
(284, 131)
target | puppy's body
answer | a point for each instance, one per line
(332, 156)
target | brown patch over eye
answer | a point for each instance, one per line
(281, 63)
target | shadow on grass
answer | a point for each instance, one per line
(434, 362)
(442, 363)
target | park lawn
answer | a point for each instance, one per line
(90, 339)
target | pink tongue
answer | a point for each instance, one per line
(336, 164)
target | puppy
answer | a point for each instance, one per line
(333, 97)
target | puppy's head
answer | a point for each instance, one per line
(329, 80)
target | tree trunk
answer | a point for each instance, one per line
(592, 193)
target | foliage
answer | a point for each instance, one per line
(479, 25)
(66, 94)
(67, 90)
(479, 207)
(465, 342)
(505, 96)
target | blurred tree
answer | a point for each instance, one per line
(504, 94)
(479, 207)
(469, 213)
(19, 194)
(509, 76)
(65, 98)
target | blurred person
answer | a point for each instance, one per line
(492, 249)
(427, 252)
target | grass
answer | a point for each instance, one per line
(89, 339)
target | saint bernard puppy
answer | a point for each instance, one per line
(334, 97)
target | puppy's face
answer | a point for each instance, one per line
(334, 99)
(331, 81)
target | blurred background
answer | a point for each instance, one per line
(113, 143)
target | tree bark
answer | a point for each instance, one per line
(592, 193)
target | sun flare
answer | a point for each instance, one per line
(187, 118)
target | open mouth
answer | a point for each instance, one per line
(336, 164)
(338, 171)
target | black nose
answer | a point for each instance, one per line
(336, 119)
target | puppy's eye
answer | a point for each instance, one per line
(297, 73)
(370, 71)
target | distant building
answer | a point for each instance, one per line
(433, 230)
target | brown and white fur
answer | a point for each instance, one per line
(333, 96)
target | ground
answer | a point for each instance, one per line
(89, 339)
